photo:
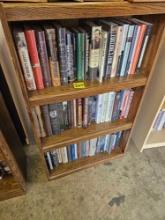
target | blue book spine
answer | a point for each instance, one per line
(131, 50)
(118, 137)
(83, 149)
(69, 153)
(117, 105)
(127, 49)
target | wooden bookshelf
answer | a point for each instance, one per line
(11, 153)
(13, 12)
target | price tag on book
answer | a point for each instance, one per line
(79, 85)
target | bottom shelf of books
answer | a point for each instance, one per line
(75, 157)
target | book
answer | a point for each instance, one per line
(95, 39)
(83, 148)
(110, 103)
(147, 36)
(38, 113)
(79, 112)
(73, 151)
(49, 161)
(22, 49)
(34, 58)
(92, 146)
(116, 106)
(64, 154)
(99, 107)
(59, 155)
(92, 102)
(70, 58)
(138, 46)
(54, 158)
(51, 40)
(43, 56)
(85, 112)
(54, 118)
(127, 49)
(46, 119)
(62, 48)
(111, 27)
(105, 107)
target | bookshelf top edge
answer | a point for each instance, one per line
(73, 10)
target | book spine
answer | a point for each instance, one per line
(33, 53)
(103, 54)
(59, 155)
(111, 49)
(63, 115)
(92, 100)
(116, 107)
(79, 56)
(127, 49)
(42, 50)
(79, 112)
(24, 58)
(99, 107)
(36, 123)
(38, 113)
(64, 154)
(70, 58)
(85, 112)
(124, 103)
(132, 48)
(74, 113)
(69, 153)
(54, 119)
(144, 46)
(50, 165)
(46, 119)
(121, 52)
(157, 121)
(54, 157)
(105, 105)
(83, 148)
(87, 48)
(111, 98)
(92, 143)
(162, 121)
(94, 52)
(129, 104)
(101, 144)
(137, 49)
(83, 53)
(116, 52)
(70, 114)
(63, 55)
(118, 139)
(52, 54)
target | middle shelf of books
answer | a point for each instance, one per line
(84, 80)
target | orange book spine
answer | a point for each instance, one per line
(137, 50)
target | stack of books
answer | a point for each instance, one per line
(88, 148)
(160, 121)
(4, 170)
(52, 54)
(52, 119)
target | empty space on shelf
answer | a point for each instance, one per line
(62, 93)
(156, 139)
(65, 169)
(75, 135)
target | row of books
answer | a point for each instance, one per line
(52, 54)
(102, 144)
(160, 121)
(4, 170)
(54, 118)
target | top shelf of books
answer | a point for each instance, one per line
(70, 10)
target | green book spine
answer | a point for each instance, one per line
(82, 56)
(79, 57)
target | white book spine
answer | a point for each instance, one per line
(99, 108)
(49, 160)
(87, 148)
(105, 104)
(64, 154)
(103, 54)
(59, 156)
(126, 50)
(112, 100)
(25, 60)
(116, 52)
(92, 148)
(75, 150)
(38, 113)
(134, 49)
(114, 136)
(107, 137)
(143, 51)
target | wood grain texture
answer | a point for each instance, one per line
(20, 1)
(62, 93)
(83, 163)
(75, 135)
(146, 1)
(70, 10)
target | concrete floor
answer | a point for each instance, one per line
(130, 188)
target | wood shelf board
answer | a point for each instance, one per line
(10, 188)
(70, 10)
(75, 135)
(156, 139)
(83, 163)
(62, 93)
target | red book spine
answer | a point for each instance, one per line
(138, 47)
(79, 113)
(33, 53)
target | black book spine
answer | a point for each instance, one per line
(46, 118)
